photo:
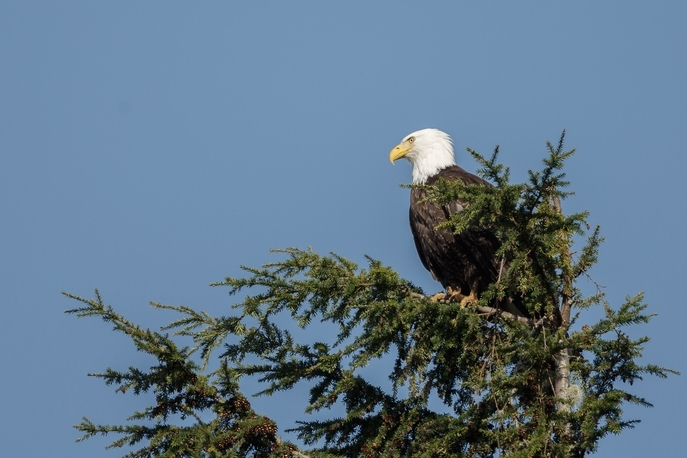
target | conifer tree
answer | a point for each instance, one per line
(508, 386)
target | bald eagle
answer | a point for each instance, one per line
(465, 264)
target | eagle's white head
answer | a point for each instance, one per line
(429, 150)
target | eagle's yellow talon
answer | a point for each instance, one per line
(468, 300)
(451, 296)
(438, 297)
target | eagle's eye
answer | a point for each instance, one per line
(411, 140)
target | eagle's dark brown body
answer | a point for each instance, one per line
(465, 262)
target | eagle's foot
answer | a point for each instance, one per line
(453, 295)
(439, 297)
(468, 300)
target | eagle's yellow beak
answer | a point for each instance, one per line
(399, 151)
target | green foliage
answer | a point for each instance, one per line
(472, 382)
(182, 393)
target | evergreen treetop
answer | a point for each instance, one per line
(506, 385)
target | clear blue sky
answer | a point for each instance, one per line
(150, 148)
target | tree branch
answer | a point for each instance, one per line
(490, 311)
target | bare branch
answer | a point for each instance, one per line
(490, 311)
